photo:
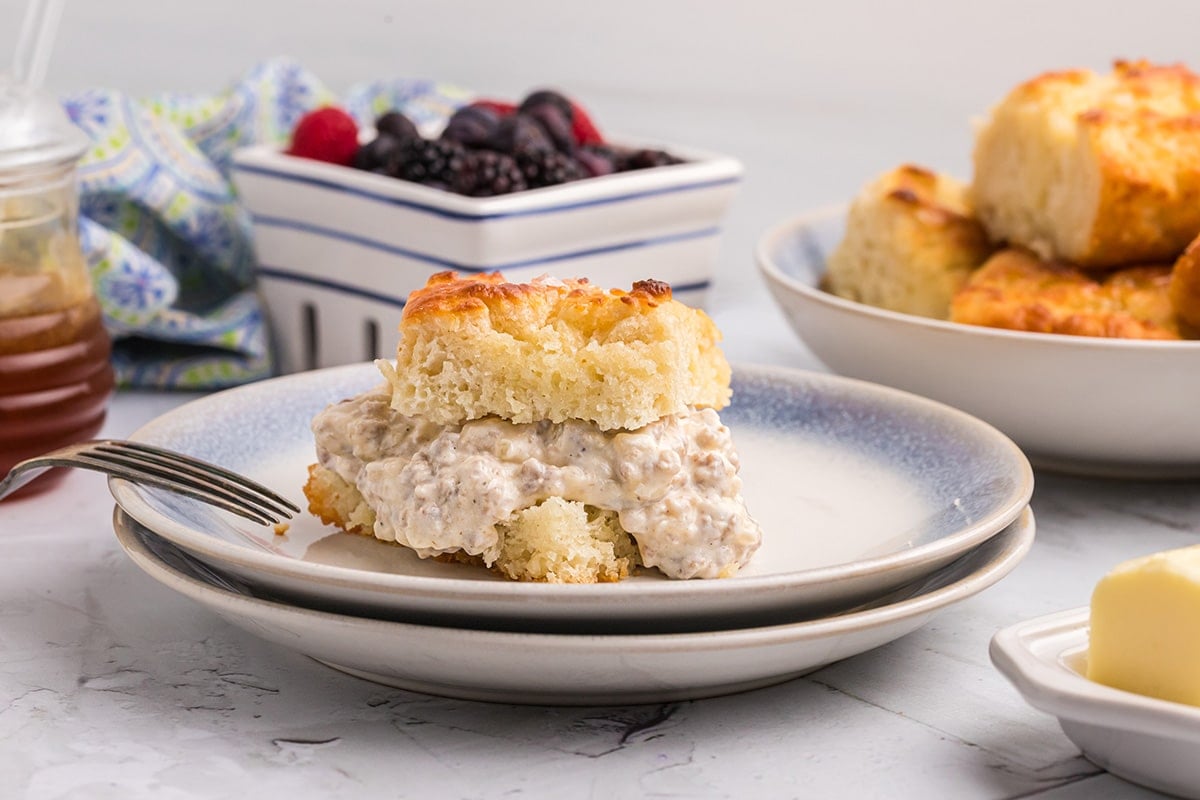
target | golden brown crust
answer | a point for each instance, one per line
(336, 502)
(1184, 289)
(478, 345)
(1099, 170)
(911, 240)
(1018, 291)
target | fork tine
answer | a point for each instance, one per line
(195, 479)
(122, 470)
(239, 484)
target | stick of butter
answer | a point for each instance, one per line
(1145, 627)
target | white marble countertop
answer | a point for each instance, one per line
(113, 686)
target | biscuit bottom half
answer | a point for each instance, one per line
(556, 541)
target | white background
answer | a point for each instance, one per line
(814, 98)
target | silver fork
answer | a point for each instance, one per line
(154, 466)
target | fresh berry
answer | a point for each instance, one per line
(597, 159)
(584, 130)
(472, 126)
(518, 133)
(547, 97)
(500, 108)
(645, 159)
(486, 173)
(432, 162)
(326, 134)
(396, 125)
(555, 123)
(379, 155)
(548, 168)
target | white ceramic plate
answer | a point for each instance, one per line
(1142, 739)
(859, 489)
(1116, 407)
(548, 668)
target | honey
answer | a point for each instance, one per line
(55, 373)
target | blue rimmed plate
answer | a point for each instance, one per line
(548, 668)
(859, 489)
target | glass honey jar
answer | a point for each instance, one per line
(55, 374)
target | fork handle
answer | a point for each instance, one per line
(16, 480)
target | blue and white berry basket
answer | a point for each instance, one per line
(340, 249)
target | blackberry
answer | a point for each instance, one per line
(378, 155)
(429, 161)
(486, 173)
(396, 125)
(645, 159)
(518, 133)
(472, 126)
(549, 168)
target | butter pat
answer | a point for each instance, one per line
(1145, 627)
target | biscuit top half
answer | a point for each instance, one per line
(1154, 93)
(479, 345)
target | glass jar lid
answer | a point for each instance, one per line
(35, 132)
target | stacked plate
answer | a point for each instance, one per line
(879, 509)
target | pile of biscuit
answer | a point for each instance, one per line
(1083, 215)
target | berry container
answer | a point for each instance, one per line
(340, 249)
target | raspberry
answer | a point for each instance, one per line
(583, 128)
(501, 108)
(326, 134)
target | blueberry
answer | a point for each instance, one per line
(395, 124)
(645, 159)
(555, 123)
(378, 155)
(597, 160)
(472, 126)
(518, 133)
(549, 97)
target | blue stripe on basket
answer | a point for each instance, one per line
(324, 283)
(375, 244)
(279, 273)
(459, 215)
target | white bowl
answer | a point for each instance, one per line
(340, 249)
(1142, 739)
(1117, 407)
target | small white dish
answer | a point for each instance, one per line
(1115, 407)
(1141, 739)
(859, 490)
(558, 669)
(340, 249)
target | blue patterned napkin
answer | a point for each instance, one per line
(171, 250)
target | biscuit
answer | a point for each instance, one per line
(1099, 170)
(556, 541)
(1184, 289)
(911, 240)
(553, 350)
(1018, 291)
